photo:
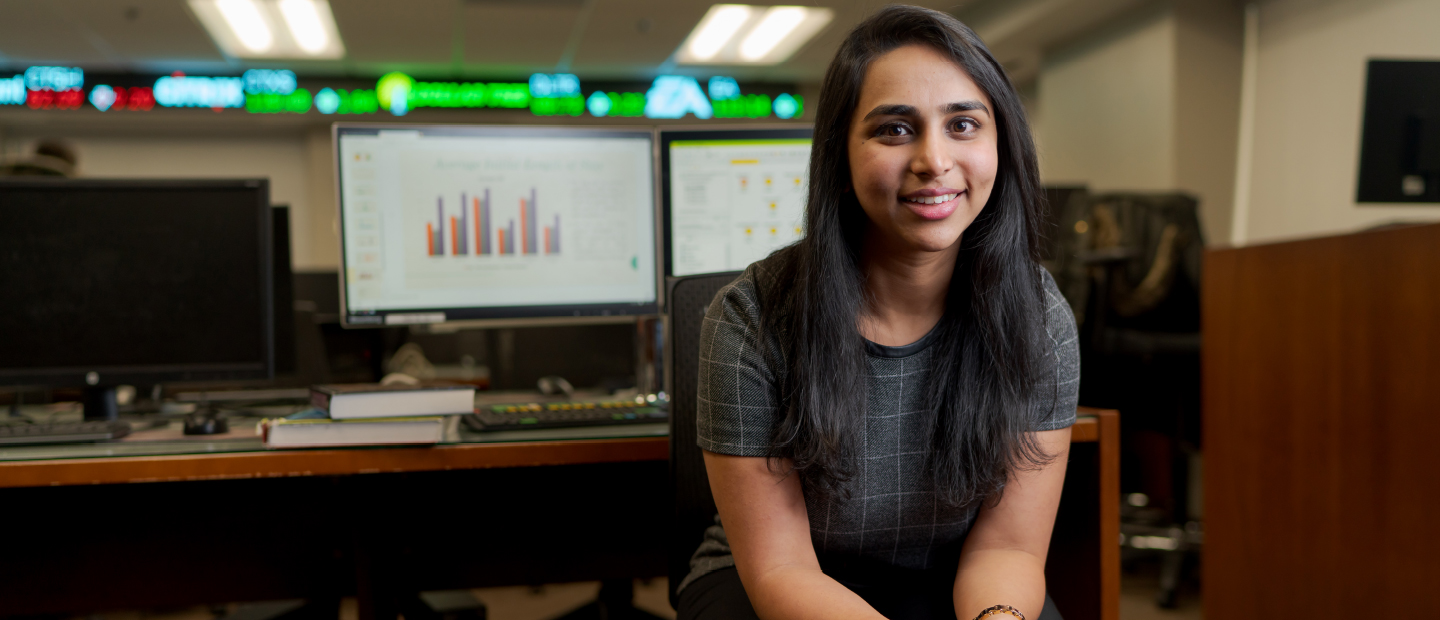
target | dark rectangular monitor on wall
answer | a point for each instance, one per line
(1400, 143)
(731, 196)
(442, 223)
(139, 282)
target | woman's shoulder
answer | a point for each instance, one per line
(737, 300)
(1058, 317)
(744, 297)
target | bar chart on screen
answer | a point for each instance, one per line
(512, 219)
(452, 221)
(470, 232)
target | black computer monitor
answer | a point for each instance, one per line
(134, 282)
(496, 223)
(731, 197)
(1400, 140)
(283, 285)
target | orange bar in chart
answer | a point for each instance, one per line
(429, 239)
(501, 233)
(454, 237)
(547, 239)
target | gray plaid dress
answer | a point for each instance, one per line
(892, 516)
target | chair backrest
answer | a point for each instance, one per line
(688, 298)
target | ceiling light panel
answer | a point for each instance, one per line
(741, 34)
(272, 29)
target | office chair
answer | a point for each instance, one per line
(1129, 264)
(687, 298)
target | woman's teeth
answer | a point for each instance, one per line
(932, 200)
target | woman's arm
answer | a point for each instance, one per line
(1003, 562)
(763, 512)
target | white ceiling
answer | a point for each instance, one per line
(596, 39)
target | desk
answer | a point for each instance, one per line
(250, 524)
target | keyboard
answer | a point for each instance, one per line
(62, 432)
(518, 416)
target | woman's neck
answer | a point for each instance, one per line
(906, 291)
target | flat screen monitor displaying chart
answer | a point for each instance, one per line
(445, 223)
(731, 197)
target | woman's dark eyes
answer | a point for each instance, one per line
(901, 130)
(893, 130)
(964, 125)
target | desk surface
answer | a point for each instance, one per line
(247, 457)
(258, 486)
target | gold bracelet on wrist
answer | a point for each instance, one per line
(999, 609)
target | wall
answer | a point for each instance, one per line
(297, 164)
(1309, 105)
(1106, 108)
(1209, 44)
(1150, 102)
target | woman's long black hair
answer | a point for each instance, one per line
(988, 358)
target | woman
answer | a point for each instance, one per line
(885, 406)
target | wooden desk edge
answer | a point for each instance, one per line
(333, 462)
(1087, 426)
(1104, 427)
(347, 461)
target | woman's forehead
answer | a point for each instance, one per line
(919, 76)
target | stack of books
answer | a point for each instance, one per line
(367, 414)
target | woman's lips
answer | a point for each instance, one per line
(932, 207)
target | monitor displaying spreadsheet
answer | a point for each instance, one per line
(732, 197)
(443, 223)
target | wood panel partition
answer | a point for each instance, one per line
(1321, 365)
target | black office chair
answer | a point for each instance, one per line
(1131, 271)
(687, 300)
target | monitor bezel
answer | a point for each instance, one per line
(501, 316)
(142, 374)
(667, 136)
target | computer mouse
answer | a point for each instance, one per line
(205, 424)
(555, 386)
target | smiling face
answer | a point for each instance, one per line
(922, 150)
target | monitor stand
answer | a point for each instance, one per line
(100, 403)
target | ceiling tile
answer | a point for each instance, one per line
(141, 30)
(388, 31)
(636, 32)
(518, 35)
(34, 32)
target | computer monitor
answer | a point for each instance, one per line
(134, 282)
(283, 285)
(731, 197)
(1400, 136)
(488, 223)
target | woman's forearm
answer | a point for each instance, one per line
(999, 577)
(803, 593)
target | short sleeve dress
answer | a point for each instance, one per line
(892, 517)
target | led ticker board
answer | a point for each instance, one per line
(627, 105)
(134, 98)
(280, 91)
(185, 91)
(54, 79)
(341, 101)
(12, 90)
(45, 88)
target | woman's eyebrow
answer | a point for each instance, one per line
(894, 109)
(900, 109)
(965, 106)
